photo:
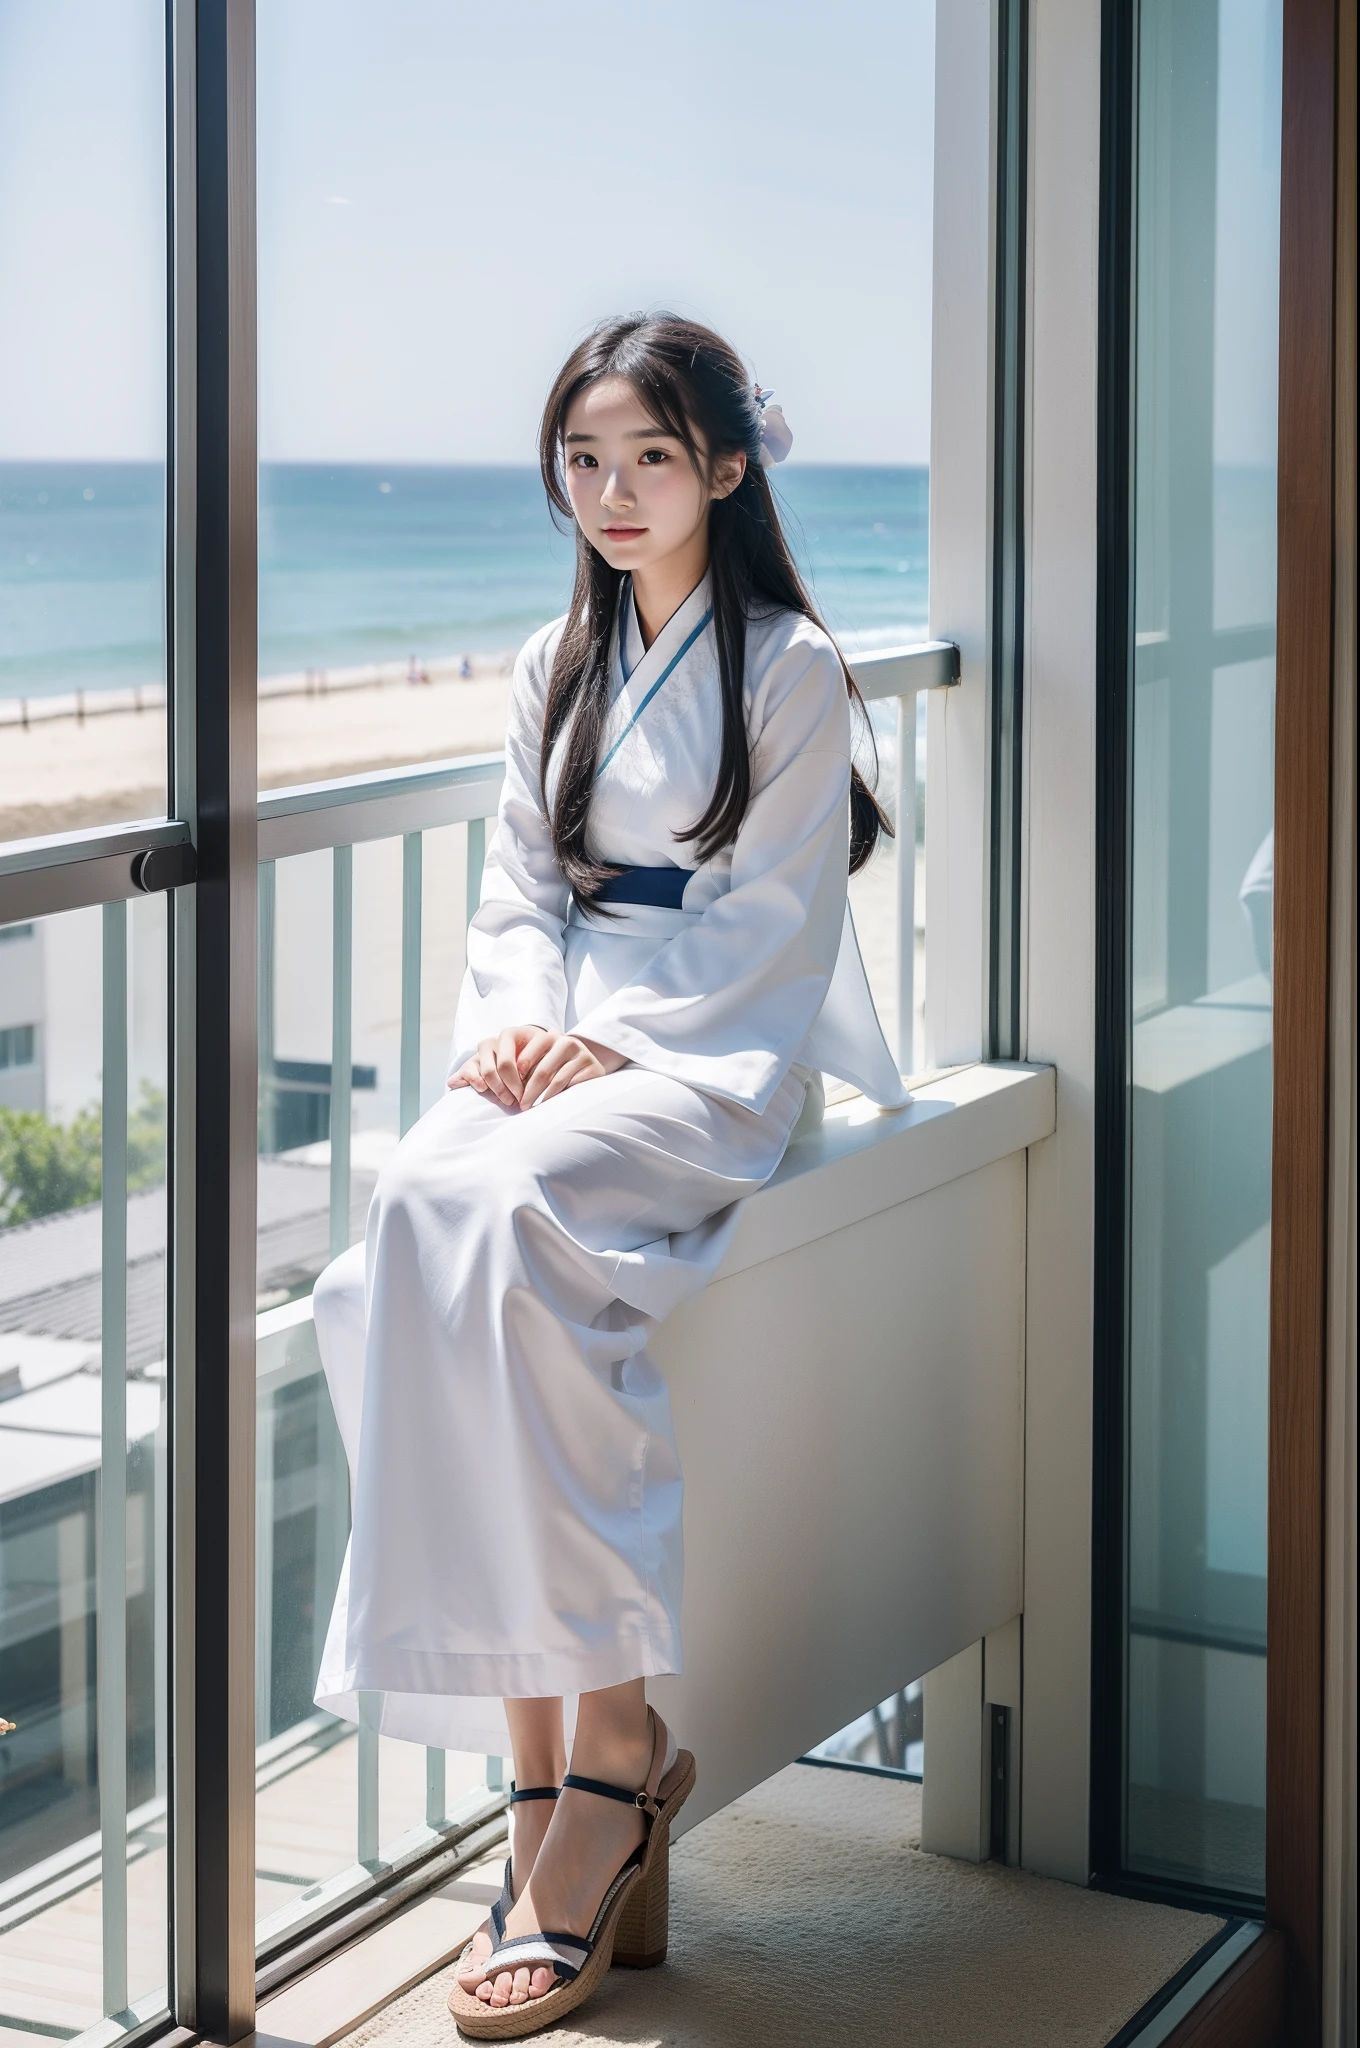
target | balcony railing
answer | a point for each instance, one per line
(37, 879)
(407, 803)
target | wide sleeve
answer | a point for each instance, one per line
(515, 972)
(727, 1004)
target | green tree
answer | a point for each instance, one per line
(146, 1140)
(47, 1167)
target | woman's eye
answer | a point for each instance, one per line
(583, 461)
(654, 455)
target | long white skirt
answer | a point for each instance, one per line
(515, 1480)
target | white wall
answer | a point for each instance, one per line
(302, 965)
(73, 999)
(849, 1419)
(21, 1002)
(1058, 963)
(56, 981)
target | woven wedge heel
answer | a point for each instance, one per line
(579, 1961)
(644, 1923)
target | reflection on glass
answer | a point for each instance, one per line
(83, 1467)
(890, 1737)
(82, 415)
(1202, 861)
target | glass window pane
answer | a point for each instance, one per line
(322, 1788)
(874, 891)
(83, 1467)
(1202, 859)
(890, 1737)
(413, 311)
(82, 414)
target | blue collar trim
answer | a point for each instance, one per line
(664, 676)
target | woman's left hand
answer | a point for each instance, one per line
(564, 1061)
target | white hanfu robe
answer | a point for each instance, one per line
(515, 1478)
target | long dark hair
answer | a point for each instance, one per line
(694, 386)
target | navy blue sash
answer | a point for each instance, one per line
(663, 887)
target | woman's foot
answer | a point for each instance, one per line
(528, 1826)
(587, 1842)
(540, 1758)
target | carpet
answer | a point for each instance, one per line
(806, 1916)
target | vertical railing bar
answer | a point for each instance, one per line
(342, 985)
(412, 847)
(476, 860)
(264, 999)
(159, 1567)
(436, 1796)
(112, 1595)
(495, 1774)
(906, 882)
(264, 1563)
(412, 859)
(332, 1518)
(367, 1818)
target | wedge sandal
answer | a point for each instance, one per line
(578, 1962)
(494, 1923)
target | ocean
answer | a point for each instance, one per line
(362, 563)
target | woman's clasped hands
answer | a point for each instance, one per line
(527, 1064)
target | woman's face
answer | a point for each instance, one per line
(633, 488)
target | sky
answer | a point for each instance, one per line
(1247, 260)
(450, 193)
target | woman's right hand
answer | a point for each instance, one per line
(500, 1066)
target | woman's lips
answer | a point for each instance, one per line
(624, 532)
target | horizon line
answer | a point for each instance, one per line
(375, 462)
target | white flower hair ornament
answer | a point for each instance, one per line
(776, 435)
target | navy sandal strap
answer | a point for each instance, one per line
(643, 1800)
(566, 1954)
(500, 1907)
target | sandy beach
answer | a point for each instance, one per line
(58, 774)
(61, 773)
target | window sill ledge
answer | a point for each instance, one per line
(864, 1160)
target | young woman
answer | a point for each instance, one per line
(661, 967)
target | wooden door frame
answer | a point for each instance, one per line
(1303, 966)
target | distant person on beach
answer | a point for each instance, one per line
(643, 1025)
(465, 668)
